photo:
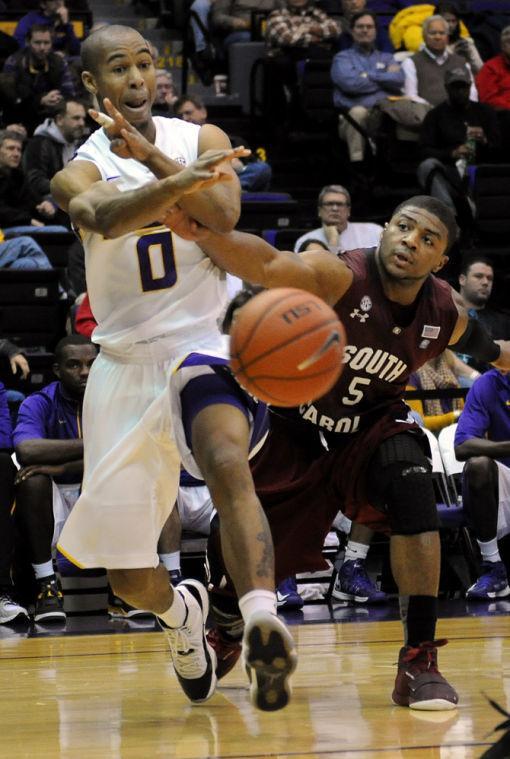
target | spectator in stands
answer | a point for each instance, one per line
(362, 77)
(455, 133)
(254, 175)
(475, 286)
(51, 148)
(166, 94)
(49, 447)
(232, 19)
(10, 609)
(459, 41)
(55, 15)
(406, 31)
(493, 81)
(36, 79)
(343, 11)
(18, 213)
(336, 231)
(482, 440)
(296, 31)
(426, 69)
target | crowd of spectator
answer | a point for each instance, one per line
(423, 70)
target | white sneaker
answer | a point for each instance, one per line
(193, 658)
(10, 610)
(269, 657)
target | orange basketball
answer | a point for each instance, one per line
(286, 347)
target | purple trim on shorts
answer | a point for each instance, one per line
(221, 387)
(202, 359)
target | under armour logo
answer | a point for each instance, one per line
(356, 314)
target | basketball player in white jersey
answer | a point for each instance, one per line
(156, 297)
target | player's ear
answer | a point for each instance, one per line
(444, 260)
(89, 82)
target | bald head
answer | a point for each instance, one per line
(96, 45)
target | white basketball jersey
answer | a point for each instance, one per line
(149, 283)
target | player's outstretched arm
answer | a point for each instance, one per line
(254, 260)
(217, 207)
(100, 207)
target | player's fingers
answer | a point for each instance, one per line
(113, 112)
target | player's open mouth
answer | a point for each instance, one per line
(401, 258)
(136, 105)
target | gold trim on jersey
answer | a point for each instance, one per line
(69, 557)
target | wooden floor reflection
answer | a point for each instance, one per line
(116, 696)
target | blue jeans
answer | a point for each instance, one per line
(201, 8)
(256, 176)
(28, 229)
(23, 253)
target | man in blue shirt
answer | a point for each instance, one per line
(49, 446)
(362, 76)
(482, 439)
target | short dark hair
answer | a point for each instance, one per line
(5, 134)
(67, 341)
(472, 259)
(38, 28)
(195, 99)
(359, 14)
(436, 207)
(61, 108)
(309, 241)
(239, 300)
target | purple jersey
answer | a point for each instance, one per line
(386, 343)
(487, 411)
(49, 414)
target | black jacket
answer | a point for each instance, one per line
(42, 158)
(16, 205)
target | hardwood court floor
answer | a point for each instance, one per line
(115, 696)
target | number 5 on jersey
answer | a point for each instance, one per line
(156, 260)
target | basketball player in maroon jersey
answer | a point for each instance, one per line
(375, 468)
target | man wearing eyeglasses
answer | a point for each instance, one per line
(336, 231)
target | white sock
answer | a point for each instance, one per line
(256, 600)
(342, 523)
(171, 560)
(489, 550)
(355, 551)
(176, 614)
(43, 570)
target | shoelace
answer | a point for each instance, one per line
(49, 591)
(428, 648)
(187, 660)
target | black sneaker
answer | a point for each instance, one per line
(175, 577)
(193, 658)
(49, 605)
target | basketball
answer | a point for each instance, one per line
(286, 347)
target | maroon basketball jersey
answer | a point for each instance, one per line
(385, 344)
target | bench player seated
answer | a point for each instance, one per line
(49, 447)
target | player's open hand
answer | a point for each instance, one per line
(125, 140)
(206, 170)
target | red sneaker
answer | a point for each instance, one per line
(419, 684)
(227, 650)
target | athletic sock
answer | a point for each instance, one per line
(355, 551)
(489, 550)
(175, 615)
(421, 619)
(171, 560)
(42, 571)
(256, 600)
